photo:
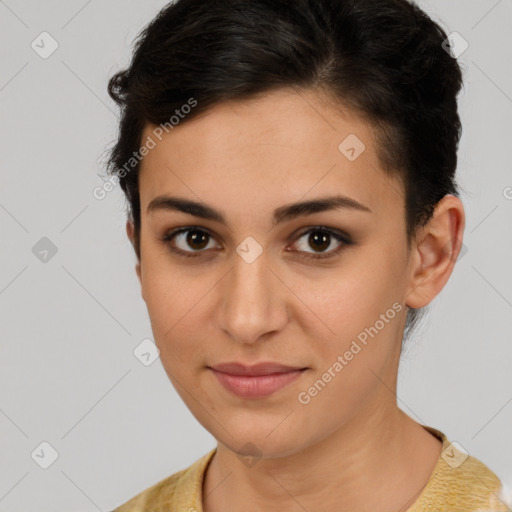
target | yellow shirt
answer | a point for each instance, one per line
(458, 483)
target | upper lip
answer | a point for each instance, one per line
(266, 368)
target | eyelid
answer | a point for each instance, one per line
(325, 229)
(171, 235)
(343, 238)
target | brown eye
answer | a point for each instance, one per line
(183, 240)
(196, 239)
(320, 239)
(192, 241)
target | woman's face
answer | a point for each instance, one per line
(253, 290)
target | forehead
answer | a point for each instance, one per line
(263, 152)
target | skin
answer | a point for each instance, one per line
(350, 448)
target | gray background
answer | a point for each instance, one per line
(69, 325)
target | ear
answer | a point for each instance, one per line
(435, 252)
(130, 231)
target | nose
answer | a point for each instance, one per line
(253, 301)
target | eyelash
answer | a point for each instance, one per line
(168, 237)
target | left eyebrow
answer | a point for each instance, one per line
(281, 214)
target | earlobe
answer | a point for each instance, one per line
(435, 252)
(130, 230)
(137, 270)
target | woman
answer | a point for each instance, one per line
(290, 172)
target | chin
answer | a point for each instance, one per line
(261, 445)
(254, 451)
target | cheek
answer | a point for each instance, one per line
(364, 313)
(170, 290)
(349, 300)
(352, 368)
(173, 301)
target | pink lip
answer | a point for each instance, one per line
(255, 381)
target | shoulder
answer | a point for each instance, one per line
(160, 492)
(460, 483)
(180, 491)
(472, 484)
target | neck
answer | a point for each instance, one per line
(380, 460)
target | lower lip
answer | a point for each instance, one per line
(256, 386)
